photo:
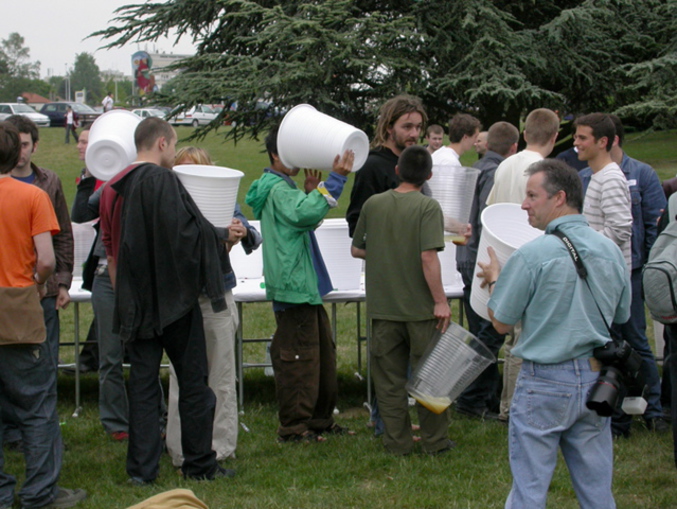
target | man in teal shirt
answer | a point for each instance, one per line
(563, 320)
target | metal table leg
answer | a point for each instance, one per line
(76, 319)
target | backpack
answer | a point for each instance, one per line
(659, 276)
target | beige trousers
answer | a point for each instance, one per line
(511, 368)
(220, 329)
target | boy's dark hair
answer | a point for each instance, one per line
(24, 125)
(10, 147)
(461, 125)
(414, 165)
(620, 130)
(602, 126)
(271, 142)
(149, 130)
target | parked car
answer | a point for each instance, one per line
(9, 109)
(149, 112)
(195, 116)
(57, 113)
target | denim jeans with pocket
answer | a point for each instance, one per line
(548, 413)
(28, 397)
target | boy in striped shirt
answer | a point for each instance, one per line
(607, 204)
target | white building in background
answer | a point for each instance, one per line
(114, 75)
(160, 62)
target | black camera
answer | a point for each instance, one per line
(621, 367)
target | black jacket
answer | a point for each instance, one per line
(376, 176)
(169, 253)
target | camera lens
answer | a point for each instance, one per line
(603, 395)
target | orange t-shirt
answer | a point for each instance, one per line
(26, 211)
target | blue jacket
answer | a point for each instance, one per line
(648, 199)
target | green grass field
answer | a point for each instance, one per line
(345, 472)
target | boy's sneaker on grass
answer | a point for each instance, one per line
(220, 473)
(66, 498)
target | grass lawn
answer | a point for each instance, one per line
(344, 472)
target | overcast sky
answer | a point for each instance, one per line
(54, 30)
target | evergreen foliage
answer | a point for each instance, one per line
(496, 58)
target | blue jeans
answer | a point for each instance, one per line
(28, 397)
(548, 413)
(634, 332)
(113, 404)
(51, 351)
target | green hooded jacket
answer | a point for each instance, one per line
(287, 214)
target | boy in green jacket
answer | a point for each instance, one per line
(302, 351)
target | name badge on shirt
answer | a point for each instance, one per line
(632, 182)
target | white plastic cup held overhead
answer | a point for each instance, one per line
(213, 189)
(506, 228)
(111, 145)
(451, 362)
(310, 139)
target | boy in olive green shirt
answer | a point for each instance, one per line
(399, 233)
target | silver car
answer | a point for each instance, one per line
(149, 112)
(9, 109)
(195, 116)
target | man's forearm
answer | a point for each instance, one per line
(432, 272)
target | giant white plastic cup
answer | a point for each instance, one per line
(83, 237)
(213, 188)
(506, 228)
(111, 145)
(450, 274)
(334, 242)
(454, 188)
(451, 362)
(310, 139)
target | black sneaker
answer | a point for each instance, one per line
(220, 473)
(448, 447)
(657, 425)
(137, 481)
(618, 434)
(66, 498)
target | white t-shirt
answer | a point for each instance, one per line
(107, 103)
(446, 156)
(510, 180)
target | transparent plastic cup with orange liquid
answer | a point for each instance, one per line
(456, 231)
(451, 362)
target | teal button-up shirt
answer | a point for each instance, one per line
(539, 286)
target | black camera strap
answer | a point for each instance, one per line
(581, 271)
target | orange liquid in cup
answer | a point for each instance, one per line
(435, 405)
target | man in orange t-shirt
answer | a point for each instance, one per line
(27, 374)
